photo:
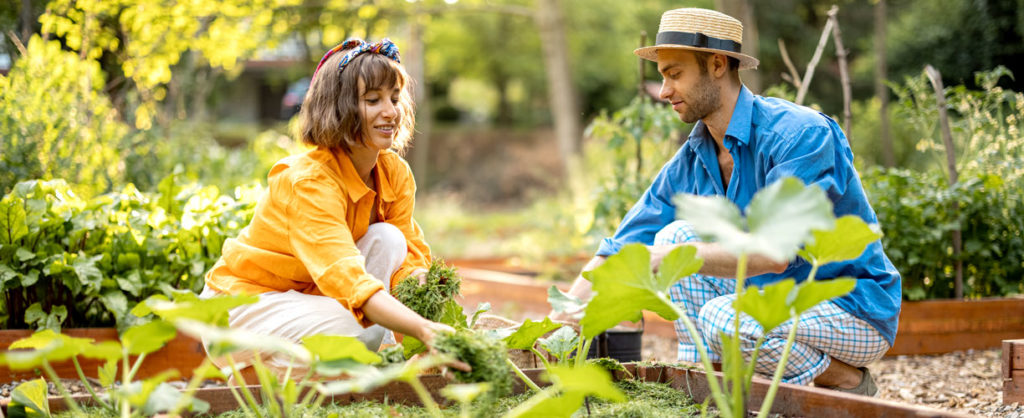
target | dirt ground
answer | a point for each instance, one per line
(964, 382)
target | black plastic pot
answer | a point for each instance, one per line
(621, 345)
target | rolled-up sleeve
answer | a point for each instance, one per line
(400, 215)
(323, 242)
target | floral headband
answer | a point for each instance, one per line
(384, 47)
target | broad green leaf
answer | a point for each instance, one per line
(412, 346)
(480, 309)
(212, 311)
(370, 377)
(561, 342)
(564, 405)
(115, 301)
(12, 221)
(147, 338)
(222, 341)
(624, 287)
(46, 344)
(107, 373)
(87, 272)
(464, 393)
(208, 371)
(564, 302)
(846, 241)
(334, 347)
(768, 305)
(779, 219)
(33, 396)
(103, 350)
(528, 333)
(23, 254)
(452, 314)
(813, 292)
(163, 397)
(677, 265)
(138, 392)
(588, 379)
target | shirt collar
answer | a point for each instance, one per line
(739, 124)
(354, 185)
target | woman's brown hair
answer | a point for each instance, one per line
(330, 115)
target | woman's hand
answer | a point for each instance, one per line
(421, 275)
(430, 331)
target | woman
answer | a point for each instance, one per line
(334, 230)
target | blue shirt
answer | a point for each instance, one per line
(769, 139)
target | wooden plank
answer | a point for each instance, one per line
(805, 401)
(1013, 387)
(183, 353)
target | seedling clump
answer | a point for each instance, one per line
(487, 355)
(428, 300)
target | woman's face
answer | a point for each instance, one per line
(380, 116)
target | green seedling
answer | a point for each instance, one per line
(430, 298)
(525, 337)
(779, 220)
(561, 343)
(29, 399)
(569, 387)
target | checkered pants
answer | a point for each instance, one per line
(825, 331)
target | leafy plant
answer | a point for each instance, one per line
(87, 262)
(429, 299)
(780, 218)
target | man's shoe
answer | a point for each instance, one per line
(866, 387)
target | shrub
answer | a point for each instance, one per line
(96, 258)
(56, 122)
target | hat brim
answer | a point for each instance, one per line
(650, 53)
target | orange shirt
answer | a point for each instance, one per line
(303, 233)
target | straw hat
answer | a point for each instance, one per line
(699, 30)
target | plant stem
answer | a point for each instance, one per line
(135, 368)
(52, 374)
(735, 354)
(582, 352)
(190, 390)
(534, 400)
(770, 396)
(428, 401)
(543, 359)
(522, 375)
(126, 379)
(709, 369)
(88, 386)
(244, 387)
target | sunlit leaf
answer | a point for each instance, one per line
(624, 287)
(370, 377)
(564, 302)
(527, 334)
(334, 347)
(212, 311)
(148, 337)
(222, 341)
(103, 350)
(33, 396)
(452, 314)
(412, 346)
(811, 293)
(481, 308)
(465, 392)
(767, 305)
(677, 265)
(779, 218)
(846, 241)
(560, 343)
(107, 373)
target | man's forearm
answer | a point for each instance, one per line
(720, 263)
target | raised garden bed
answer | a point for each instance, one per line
(792, 400)
(926, 327)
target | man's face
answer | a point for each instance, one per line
(689, 88)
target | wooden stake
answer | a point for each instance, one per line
(947, 138)
(793, 74)
(844, 75)
(809, 74)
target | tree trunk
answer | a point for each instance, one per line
(414, 61)
(743, 10)
(954, 177)
(26, 20)
(881, 91)
(561, 90)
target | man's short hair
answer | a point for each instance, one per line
(702, 61)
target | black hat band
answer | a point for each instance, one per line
(698, 40)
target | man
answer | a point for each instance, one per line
(739, 144)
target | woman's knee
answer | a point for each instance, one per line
(386, 237)
(714, 318)
(676, 232)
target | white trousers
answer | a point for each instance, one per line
(292, 315)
